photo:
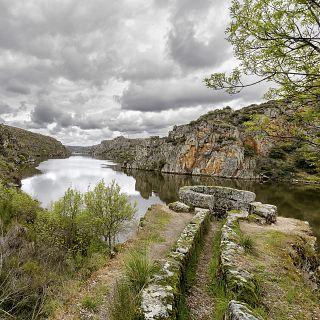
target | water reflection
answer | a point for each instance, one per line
(297, 201)
(80, 172)
(146, 188)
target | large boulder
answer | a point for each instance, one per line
(267, 212)
(178, 206)
(216, 198)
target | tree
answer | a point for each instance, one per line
(111, 207)
(277, 41)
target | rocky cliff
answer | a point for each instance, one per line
(216, 144)
(21, 148)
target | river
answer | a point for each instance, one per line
(146, 188)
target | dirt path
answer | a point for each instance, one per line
(199, 301)
(162, 229)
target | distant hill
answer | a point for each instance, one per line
(21, 148)
(80, 149)
(217, 144)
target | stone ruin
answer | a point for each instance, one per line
(160, 299)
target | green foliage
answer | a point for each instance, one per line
(16, 206)
(138, 269)
(111, 208)
(249, 150)
(308, 160)
(277, 41)
(277, 153)
(44, 247)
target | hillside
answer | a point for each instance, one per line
(219, 144)
(21, 148)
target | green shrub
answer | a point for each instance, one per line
(277, 153)
(249, 150)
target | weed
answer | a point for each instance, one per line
(247, 243)
(123, 305)
(138, 269)
(91, 303)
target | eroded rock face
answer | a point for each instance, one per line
(217, 144)
(218, 199)
(268, 212)
(19, 148)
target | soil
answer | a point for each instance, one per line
(199, 301)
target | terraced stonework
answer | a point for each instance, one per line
(160, 298)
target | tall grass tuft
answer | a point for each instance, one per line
(247, 243)
(138, 269)
(126, 298)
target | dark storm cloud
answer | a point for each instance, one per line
(62, 62)
(46, 113)
(187, 47)
(163, 95)
(18, 88)
(189, 52)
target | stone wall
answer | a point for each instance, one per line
(218, 199)
(238, 282)
(161, 298)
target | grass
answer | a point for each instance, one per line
(286, 294)
(138, 269)
(123, 305)
(190, 274)
(221, 299)
(247, 243)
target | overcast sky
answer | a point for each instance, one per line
(87, 70)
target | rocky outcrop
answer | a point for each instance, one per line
(20, 148)
(217, 144)
(178, 206)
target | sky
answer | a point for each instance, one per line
(85, 71)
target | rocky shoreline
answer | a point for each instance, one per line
(217, 144)
(21, 149)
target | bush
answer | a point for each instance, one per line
(249, 150)
(277, 153)
(110, 208)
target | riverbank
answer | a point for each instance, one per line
(158, 231)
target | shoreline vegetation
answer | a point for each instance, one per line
(46, 250)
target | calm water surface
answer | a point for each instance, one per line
(146, 188)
